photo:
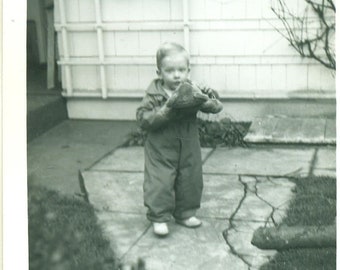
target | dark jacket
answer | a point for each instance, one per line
(173, 163)
(150, 118)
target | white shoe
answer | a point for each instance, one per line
(160, 229)
(191, 222)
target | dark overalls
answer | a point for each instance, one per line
(173, 180)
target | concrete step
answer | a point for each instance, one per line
(290, 130)
(44, 111)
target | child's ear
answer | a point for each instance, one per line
(158, 72)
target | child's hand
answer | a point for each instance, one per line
(206, 90)
(209, 92)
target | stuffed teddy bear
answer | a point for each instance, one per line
(187, 95)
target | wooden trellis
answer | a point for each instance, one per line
(226, 51)
(99, 27)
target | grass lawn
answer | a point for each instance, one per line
(64, 234)
(314, 205)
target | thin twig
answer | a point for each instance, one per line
(297, 30)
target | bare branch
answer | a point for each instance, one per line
(332, 6)
(299, 30)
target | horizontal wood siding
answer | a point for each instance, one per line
(233, 46)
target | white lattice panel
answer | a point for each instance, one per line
(109, 46)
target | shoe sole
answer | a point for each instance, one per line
(161, 234)
(185, 225)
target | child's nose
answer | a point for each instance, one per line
(177, 74)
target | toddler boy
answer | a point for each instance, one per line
(173, 180)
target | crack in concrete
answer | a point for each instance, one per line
(232, 226)
(231, 221)
(271, 215)
(294, 173)
(135, 243)
(271, 181)
(208, 156)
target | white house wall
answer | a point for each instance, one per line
(233, 44)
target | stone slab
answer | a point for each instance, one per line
(221, 195)
(292, 130)
(257, 260)
(191, 249)
(123, 159)
(241, 243)
(129, 159)
(275, 191)
(253, 209)
(117, 198)
(314, 130)
(54, 158)
(325, 164)
(122, 192)
(205, 152)
(259, 161)
(122, 230)
(263, 197)
(55, 165)
(115, 191)
(288, 130)
(242, 203)
(201, 248)
(106, 133)
(261, 130)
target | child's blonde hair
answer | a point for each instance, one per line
(169, 48)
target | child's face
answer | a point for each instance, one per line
(174, 70)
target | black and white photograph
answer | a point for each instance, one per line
(176, 134)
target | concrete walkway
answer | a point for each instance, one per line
(55, 157)
(245, 188)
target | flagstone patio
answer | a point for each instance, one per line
(244, 188)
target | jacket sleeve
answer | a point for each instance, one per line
(151, 114)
